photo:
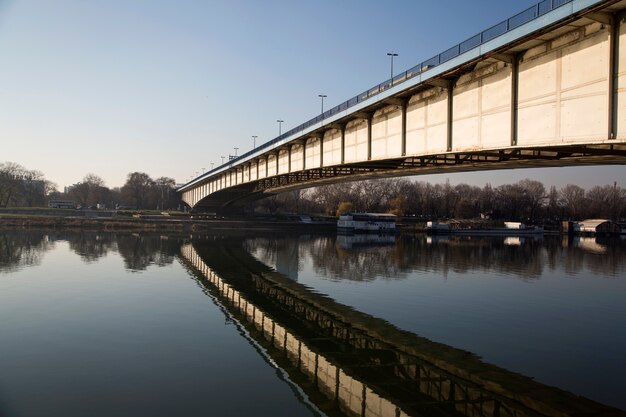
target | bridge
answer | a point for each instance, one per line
(543, 88)
(343, 362)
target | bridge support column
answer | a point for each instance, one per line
(514, 97)
(321, 140)
(403, 107)
(289, 158)
(369, 136)
(614, 46)
(450, 116)
(342, 128)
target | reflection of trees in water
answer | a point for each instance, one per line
(141, 251)
(526, 258)
(22, 249)
(363, 264)
(91, 246)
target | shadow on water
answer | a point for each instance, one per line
(351, 364)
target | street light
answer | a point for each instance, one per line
(222, 159)
(254, 141)
(203, 169)
(212, 165)
(322, 97)
(235, 150)
(391, 54)
(280, 122)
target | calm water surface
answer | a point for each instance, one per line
(96, 324)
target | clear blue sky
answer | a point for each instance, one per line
(165, 87)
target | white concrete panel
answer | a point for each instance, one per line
(246, 173)
(332, 147)
(262, 168)
(584, 93)
(621, 84)
(361, 141)
(297, 158)
(253, 170)
(495, 130)
(465, 134)
(387, 133)
(576, 59)
(351, 139)
(416, 128)
(466, 110)
(283, 161)
(580, 122)
(537, 106)
(496, 91)
(312, 153)
(536, 124)
(537, 78)
(437, 129)
(466, 100)
(271, 165)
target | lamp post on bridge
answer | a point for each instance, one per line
(391, 54)
(322, 96)
(254, 141)
(222, 159)
(235, 148)
(280, 122)
(212, 165)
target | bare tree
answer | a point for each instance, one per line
(573, 201)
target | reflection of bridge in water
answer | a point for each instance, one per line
(349, 363)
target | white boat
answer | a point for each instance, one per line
(366, 223)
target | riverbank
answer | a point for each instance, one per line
(158, 223)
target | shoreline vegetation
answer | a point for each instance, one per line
(151, 221)
(155, 221)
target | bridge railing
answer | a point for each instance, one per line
(486, 35)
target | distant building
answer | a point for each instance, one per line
(593, 227)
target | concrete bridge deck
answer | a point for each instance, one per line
(542, 88)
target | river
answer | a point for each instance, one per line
(241, 324)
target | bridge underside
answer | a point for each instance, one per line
(555, 156)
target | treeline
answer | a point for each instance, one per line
(20, 187)
(139, 191)
(526, 200)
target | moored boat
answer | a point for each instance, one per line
(366, 223)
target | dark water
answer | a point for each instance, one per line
(96, 324)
